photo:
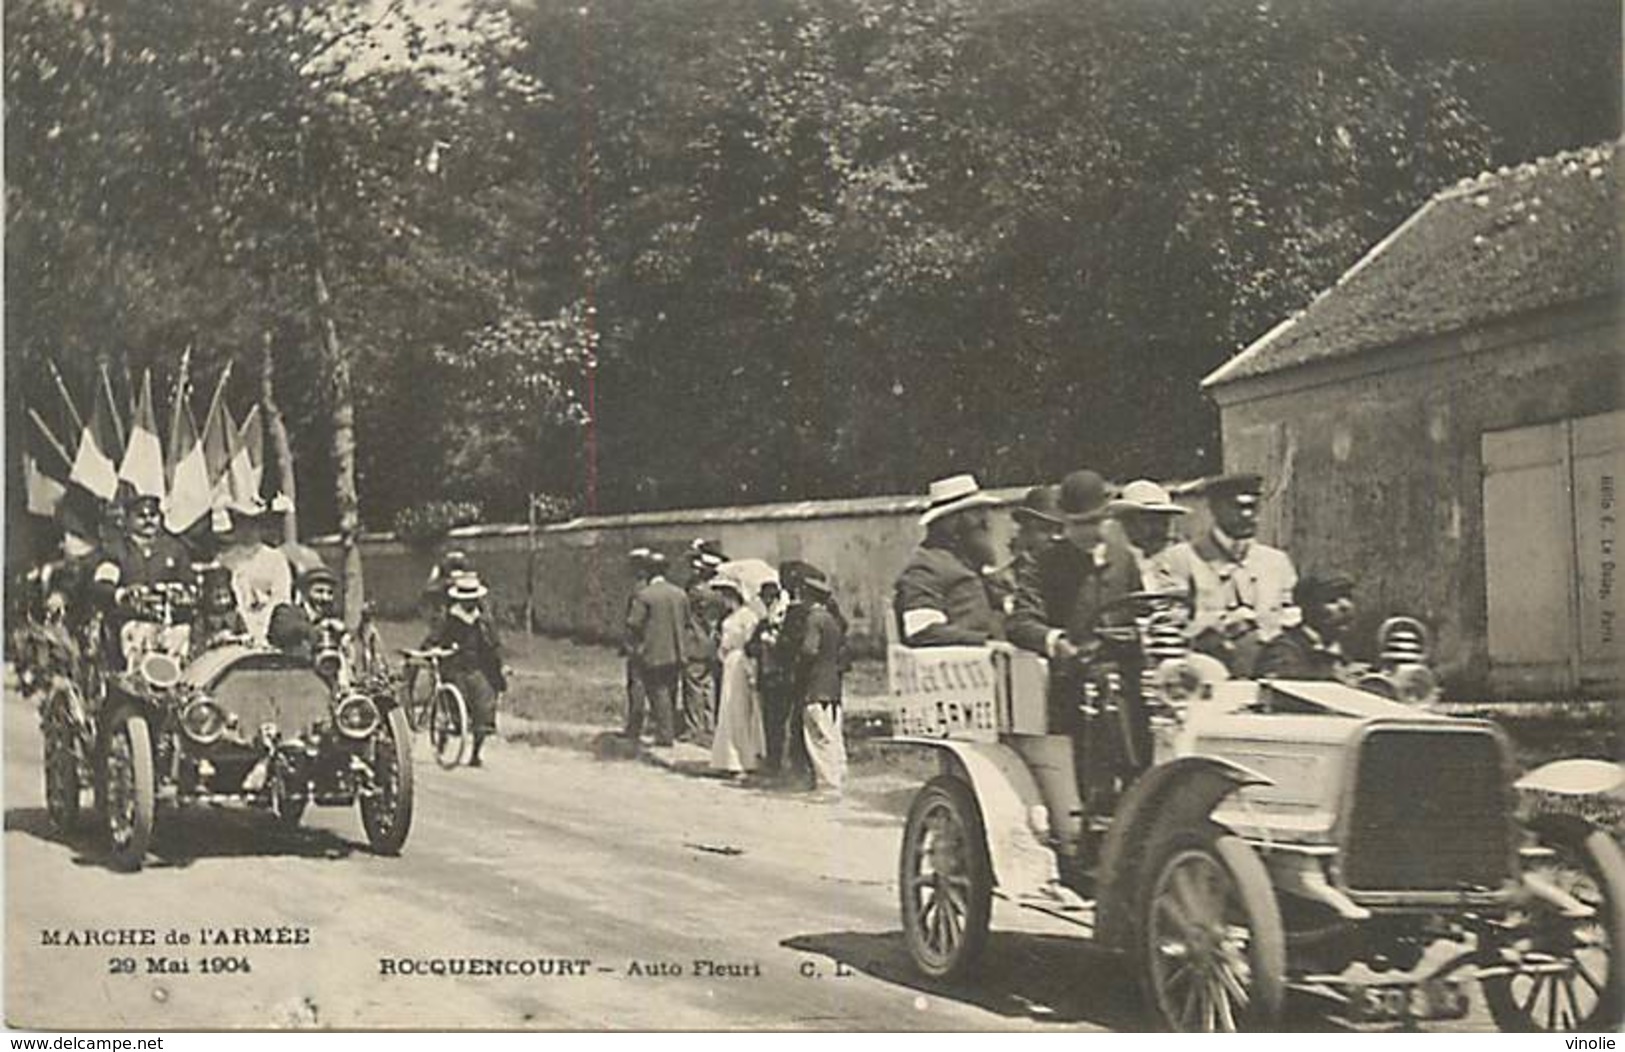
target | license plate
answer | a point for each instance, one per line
(1397, 1002)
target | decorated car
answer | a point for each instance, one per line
(1235, 841)
(257, 727)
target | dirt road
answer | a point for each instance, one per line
(545, 856)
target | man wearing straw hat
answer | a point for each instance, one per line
(1146, 514)
(941, 595)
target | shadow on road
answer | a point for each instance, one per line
(1028, 975)
(185, 837)
(1050, 978)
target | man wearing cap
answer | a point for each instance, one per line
(941, 595)
(1146, 514)
(1314, 648)
(294, 626)
(260, 574)
(656, 624)
(1240, 590)
(142, 556)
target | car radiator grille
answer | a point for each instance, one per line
(1429, 812)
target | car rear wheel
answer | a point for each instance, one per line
(386, 812)
(130, 794)
(1580, 986)
(1215, 949)
(946, 880)
(63, 785)
(448, 727)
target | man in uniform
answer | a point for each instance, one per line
(1062, 598)
(1239, 589)
(1314, 648)
(942, 596)
(141, 557)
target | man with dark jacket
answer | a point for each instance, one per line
(942, 595)
(126, 571)
(822, 643)
(655, 626)
(1062, 597)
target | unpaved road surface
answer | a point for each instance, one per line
(741, 909)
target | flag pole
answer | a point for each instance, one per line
(67, 399)
(112, 407)
(56, 444)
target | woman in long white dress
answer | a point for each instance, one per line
(739, 744)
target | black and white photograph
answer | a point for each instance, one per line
(813, 515)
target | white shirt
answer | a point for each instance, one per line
(262, 580)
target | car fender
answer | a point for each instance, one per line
(1586, 791)
(1010, 804)
(1175, 795)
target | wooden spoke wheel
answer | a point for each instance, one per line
(946, 880)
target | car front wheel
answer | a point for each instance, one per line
(946, 880)
(1215, 949)
(1572, 982)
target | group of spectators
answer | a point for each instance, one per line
(744, 658)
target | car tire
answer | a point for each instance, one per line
(1590, 866)
(130, 793)
(945, 880)
(1213, 943)
(386, 814)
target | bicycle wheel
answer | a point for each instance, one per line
(449, 731)
(415, 699)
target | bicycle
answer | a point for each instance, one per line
(441, 710)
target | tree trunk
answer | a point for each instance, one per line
(343, 406)
(286, 483)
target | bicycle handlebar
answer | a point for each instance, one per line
(427, 653)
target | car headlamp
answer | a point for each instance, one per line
(1178, 680)
(1415, 684)
(203, 721)
(160, 671)
(356, 716)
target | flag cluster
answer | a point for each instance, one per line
(196, 474)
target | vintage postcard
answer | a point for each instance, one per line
(813, 515)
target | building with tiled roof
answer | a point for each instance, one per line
(1445, 423)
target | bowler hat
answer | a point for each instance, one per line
(318, 575)
(955, 493)
(1084, 496)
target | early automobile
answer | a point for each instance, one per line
(1237, 840)
(237, 724)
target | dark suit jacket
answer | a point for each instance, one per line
(936, 579)
(656, 623)
(1063, 588)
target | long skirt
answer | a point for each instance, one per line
(739, 744)
(481, 699)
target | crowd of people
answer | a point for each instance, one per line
(745, 658)
(1082, 550)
